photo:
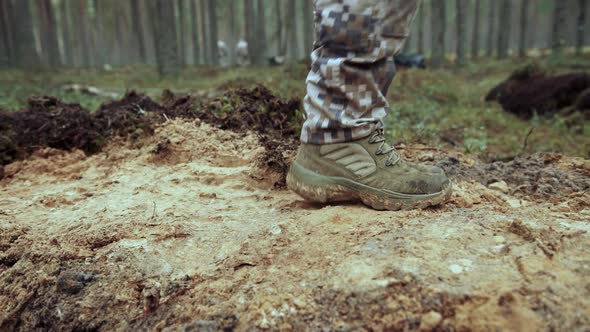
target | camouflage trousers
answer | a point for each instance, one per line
(352, 66)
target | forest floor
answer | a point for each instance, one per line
(190, 229)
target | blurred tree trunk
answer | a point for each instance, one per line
(181, 22)
(233, 32)
(461, 31)
(167, 48)
(213, 38)
(7, 47)
(195, 32)
(476, 30)
(26, 53)
(524, 19)
(581, 24)
(439, 23)
(81, 24)
(281, 46)
(66, 37)
(136, 15)
(504, 28)
(492, 6)
(48, 33)
(420, 34)
(205, 32)
(292, 31)
(249, 20)
(308, 26)
(261, 33)
(558, 31)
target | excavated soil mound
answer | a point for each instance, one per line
(530, 90)
(49, 122)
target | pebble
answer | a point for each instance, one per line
(73, 282)
(499, 186)
(456, 268)
(430, 321)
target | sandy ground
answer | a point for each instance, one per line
(190, 235)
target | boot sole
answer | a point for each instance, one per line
(323, 189)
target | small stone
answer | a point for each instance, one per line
(150, 299)
(456, 268)
(499, 186)
(73, 282)
(499, 239)
(430, 321)
(514, 203)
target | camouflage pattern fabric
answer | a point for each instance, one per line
(352, 66)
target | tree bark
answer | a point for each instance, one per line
(292, 31)
(7, 48)
(205, 33)
(233, 33)
(281, 46)
(476, 30)
(439, 19)
(213, 38)
(136, 15)
(195, 32)
(492, 9)
(48, 33)
(168, 64)
(249, 19)
(68, 53)
(558, 31)
(420, 33)
(504, 28)
(581, 24)
(26, 53)
(524, 19)
(181, 22)
(308, 26)
(461, 33)
(261, 33)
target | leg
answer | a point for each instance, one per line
(352, 66)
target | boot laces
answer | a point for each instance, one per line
(384, 148)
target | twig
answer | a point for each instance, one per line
(166, 117)
(526, 139)
(154, 214)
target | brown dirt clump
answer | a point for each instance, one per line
(530, 91)
(537, 176)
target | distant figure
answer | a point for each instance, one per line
(242, 56)
(223, 53)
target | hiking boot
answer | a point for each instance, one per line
(369, 170)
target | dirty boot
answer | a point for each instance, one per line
(369, 170)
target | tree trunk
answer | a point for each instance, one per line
(249, 20)
(476, 30)
(81, 24)
(213, 38)
(492, 9)
(439, 22)
(461, 33)
(558, 31)
(524, 19)
(195, 32)
(261, 33)
(26, 53)
(504, 28)
(168, 65)
(205, 33)
(292, 30)
(281, 47)
(6, 33)
(420, 34)
(581, 24)
(308, 26)
(181, 22)
(233, 32)
(136, 15)
(68, 49)
(48, 33)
